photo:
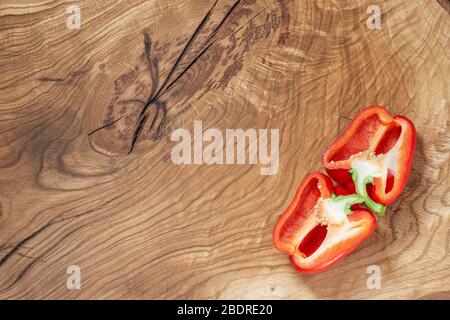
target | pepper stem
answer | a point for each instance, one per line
(346, 202)
(361, 182)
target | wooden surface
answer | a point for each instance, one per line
(85, 120)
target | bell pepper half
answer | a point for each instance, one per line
(373, 156)
(319, 228)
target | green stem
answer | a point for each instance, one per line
(347, 201)
(361, 189)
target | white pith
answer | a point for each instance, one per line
(329, 212)
(335, 233)
(368, 165)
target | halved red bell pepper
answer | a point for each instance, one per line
(375, 151)
(319, 228)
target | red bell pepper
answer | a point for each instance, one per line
(319, 228)
(375, 151)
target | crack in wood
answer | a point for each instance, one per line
(39, 258)
(444, 4)
(137, 131)
(49, 79)
(155, 96)
(224, 19)
(156, 90)
(105, 126)
(22, 242)
(71, 78)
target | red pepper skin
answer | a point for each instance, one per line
(295, 234)
(374, 129)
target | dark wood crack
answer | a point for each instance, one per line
(224, 19)
(157, 91)
(137, 132)
(154, 97)
(105, 126)
(48, 79)
(22, 242)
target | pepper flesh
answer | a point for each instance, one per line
(378, 148)
(318, 229)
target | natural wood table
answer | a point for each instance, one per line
(86, 117)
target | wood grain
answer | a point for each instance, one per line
(85, 120)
